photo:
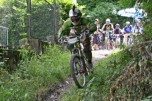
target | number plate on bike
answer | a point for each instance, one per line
(72, 40)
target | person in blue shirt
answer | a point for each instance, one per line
(128, 28)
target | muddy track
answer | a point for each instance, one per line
(56, 93)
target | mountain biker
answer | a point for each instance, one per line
(78, 23)
(108, 26)
(118, 31)
(108, 30)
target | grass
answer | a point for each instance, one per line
(106, 71)
(35, 77)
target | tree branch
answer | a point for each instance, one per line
(49, 3)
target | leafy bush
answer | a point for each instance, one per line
(35, 77)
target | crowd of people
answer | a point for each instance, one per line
(110, 36)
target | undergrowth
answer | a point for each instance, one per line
(106, 71)
(34, 77)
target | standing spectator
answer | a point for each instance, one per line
(137, 20)
(138, 28)
(96, 38)
(127, 31)
(128, 28)
(118, 35)
(97, 24)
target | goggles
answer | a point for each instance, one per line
(74, 19)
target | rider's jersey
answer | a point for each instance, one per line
(83, 23)
(128, 29)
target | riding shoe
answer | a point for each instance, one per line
(90, 66)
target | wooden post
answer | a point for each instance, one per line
(54, 16)
(29, 18)
(55, 23)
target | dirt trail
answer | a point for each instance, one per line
(57, 93)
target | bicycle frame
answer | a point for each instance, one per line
(78, 61)
(78, 50)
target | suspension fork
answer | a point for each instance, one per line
(80, 53)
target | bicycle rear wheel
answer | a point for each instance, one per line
(78, 75)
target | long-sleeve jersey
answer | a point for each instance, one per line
(83, 22)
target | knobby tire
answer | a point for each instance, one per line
(75, 57)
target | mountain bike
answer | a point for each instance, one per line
(78, 63)
(117, 40)
(108, 40)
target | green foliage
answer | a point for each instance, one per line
(103, 11)
(64, 11)
(13, 14)
(89, 4)
(128, 3)
(147, 22)
(34, 77)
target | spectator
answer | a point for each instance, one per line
(137, 20)
(97, 24)
(118, 31)
(96, 38)
(108, 26)
(128, 28)
(108, 30)
(138, 28)
(127, 31)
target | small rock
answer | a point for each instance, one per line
(67, 82)
(60, 85)
(106, 54)
(52, 96)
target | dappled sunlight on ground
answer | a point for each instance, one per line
(99, 54)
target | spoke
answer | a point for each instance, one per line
(79, 75)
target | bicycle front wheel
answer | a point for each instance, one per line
(77, 71)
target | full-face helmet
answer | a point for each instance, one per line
(107, 21)
(75, 15)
